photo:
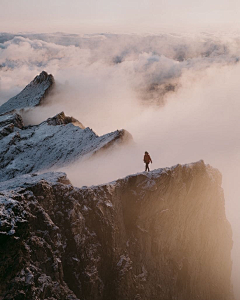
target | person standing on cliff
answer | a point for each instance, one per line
(147, 160)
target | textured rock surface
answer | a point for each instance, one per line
(8, 123)
(13, 119)
(53, 143)
(61, 119)
(32, 95)
(150, 236)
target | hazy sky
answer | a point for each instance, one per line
(138, 16)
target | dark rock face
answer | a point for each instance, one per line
(43, 76)
(158, 235)
(32, 95)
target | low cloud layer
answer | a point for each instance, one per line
(150, 66)
(177, 95)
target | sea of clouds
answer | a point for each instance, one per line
(178, 95)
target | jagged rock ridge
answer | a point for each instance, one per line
(32, 95)
(158, 235)
(53, 143)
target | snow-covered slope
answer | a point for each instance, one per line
(32, 95)
(53, 143)
(149, 236)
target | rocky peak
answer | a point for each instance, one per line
(62, 119)
(32, 95)
(43, 76)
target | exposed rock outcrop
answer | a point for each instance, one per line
(8, 123)
(150, 236)
(32, 95)
(62, 119)
(11, 119)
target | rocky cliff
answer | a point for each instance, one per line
(150, 236)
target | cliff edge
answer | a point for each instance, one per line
(149, 236)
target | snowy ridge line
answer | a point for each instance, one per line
(32, 95)
(53, 143)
